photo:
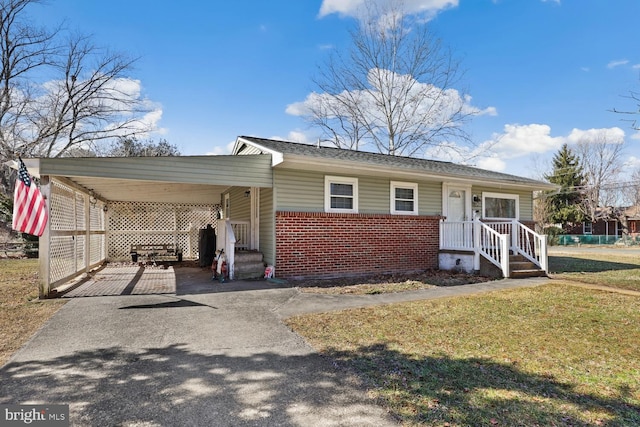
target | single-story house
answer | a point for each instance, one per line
(626, 221)
(307, 210)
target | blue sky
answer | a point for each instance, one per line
(551, 69)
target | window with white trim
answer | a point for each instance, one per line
(587, 228)
(404, 198)
(500, 206)
(340, 194)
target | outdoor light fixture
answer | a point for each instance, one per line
(247, 193)
(92, 198)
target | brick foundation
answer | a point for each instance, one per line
(310, 244)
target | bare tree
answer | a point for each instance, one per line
(132, 147)
(631, 112)
(59, 92)
(602, 162)
(392, 90)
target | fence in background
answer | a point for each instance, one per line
(594, 239)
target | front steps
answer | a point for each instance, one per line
(520, 268)
(248, 265)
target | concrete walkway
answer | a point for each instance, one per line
(198, 358)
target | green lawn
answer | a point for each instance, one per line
(551, 355)
(617, 270)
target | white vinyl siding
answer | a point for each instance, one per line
(240, 204)
(267, 226)
(251, 170)
(303, 191)
(298, 191)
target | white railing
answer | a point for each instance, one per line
(241, 230)
(524, 241)
(456, 235)
(531, 245)
(494, 240)
(234, 235)
(491, 244)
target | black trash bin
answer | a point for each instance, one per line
(207, 246)
(134, 257)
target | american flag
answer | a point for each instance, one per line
(29, 209)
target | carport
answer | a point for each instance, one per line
(99, 206)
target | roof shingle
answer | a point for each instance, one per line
(401, 162)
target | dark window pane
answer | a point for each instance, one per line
(341, 203)
(500, 208)
(404, 206)
(404, 193)
(341, 189)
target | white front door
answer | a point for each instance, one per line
(456, 203)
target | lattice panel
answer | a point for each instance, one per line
(157, 223)
(96, 216)
(62, 206)
(97, 253)
(62, 250)
(68, 239)
(80, 251)
(80, 218)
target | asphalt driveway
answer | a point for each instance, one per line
(206, 355)
(216, 359)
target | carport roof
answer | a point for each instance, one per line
(183, 179)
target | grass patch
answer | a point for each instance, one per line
(615, 270)
(21, 313)
(551, 355)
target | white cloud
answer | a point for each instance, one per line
(151, 121)
(617, 63)
(613, 135)
(635, 135)
(298, 136)
(632, 162)
(636, 66)
(520, 140)
(551, 1)
(493, 163)
(426, 101)
(353, 7)
(585, 69)
(220, 150)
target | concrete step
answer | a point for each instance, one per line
(248, 265)
(249, 270)
(521, 274)
(522, 265)
(247, 256)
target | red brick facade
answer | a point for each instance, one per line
(311, 244)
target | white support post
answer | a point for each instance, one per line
(544, 259)
(514, 235)
(476, 243)
(87, 233)
(44, 261)
(504, 261)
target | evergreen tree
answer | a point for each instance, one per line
(564, 205)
